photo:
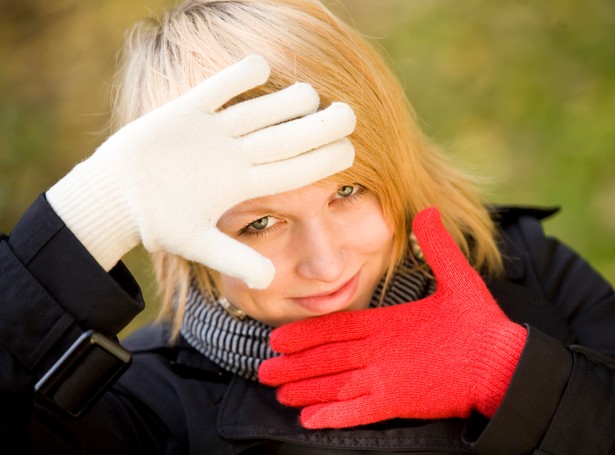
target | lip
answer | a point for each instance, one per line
(330, 302)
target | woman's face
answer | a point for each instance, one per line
(330, 246)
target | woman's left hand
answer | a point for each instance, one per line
(444, 356)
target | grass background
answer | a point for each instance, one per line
(519, 92)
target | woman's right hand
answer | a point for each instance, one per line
(165, 179)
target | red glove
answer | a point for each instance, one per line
(443, 356)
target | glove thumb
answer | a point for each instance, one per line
(445, 258)
(220, 252)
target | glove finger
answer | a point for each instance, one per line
(339, 387)
(302, 170)
(331, 328)
(292, 102)
(234, 80)
(319, 361)
(447, 261)
(343, 414)
(230, 257)
(298, 136)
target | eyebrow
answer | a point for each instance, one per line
(258, 207)
(264, 206)
(246, 213)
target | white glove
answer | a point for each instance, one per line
(166, 178)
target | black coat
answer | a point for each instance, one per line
(173, 400)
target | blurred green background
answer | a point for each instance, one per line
(519, 92)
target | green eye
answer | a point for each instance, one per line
(260, 224)
(345, 191)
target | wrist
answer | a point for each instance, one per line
(92, 205)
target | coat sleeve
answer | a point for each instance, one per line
(562, 397)
(51, 292)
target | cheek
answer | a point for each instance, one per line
(371, 233)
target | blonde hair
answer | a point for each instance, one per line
(304, 42)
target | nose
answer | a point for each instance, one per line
(322, 256)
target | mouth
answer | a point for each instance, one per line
(330, 301)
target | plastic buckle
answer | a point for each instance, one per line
(83, 373)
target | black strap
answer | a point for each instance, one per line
(82, 374)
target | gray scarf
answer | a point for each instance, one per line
(241, 346)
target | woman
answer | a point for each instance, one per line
(243, 191)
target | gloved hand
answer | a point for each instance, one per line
(443, 356)
(166, 178)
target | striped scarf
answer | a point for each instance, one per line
(241, 346)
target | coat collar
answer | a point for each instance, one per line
(506, 216)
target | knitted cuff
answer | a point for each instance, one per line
(90, 203)
(496, 366)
